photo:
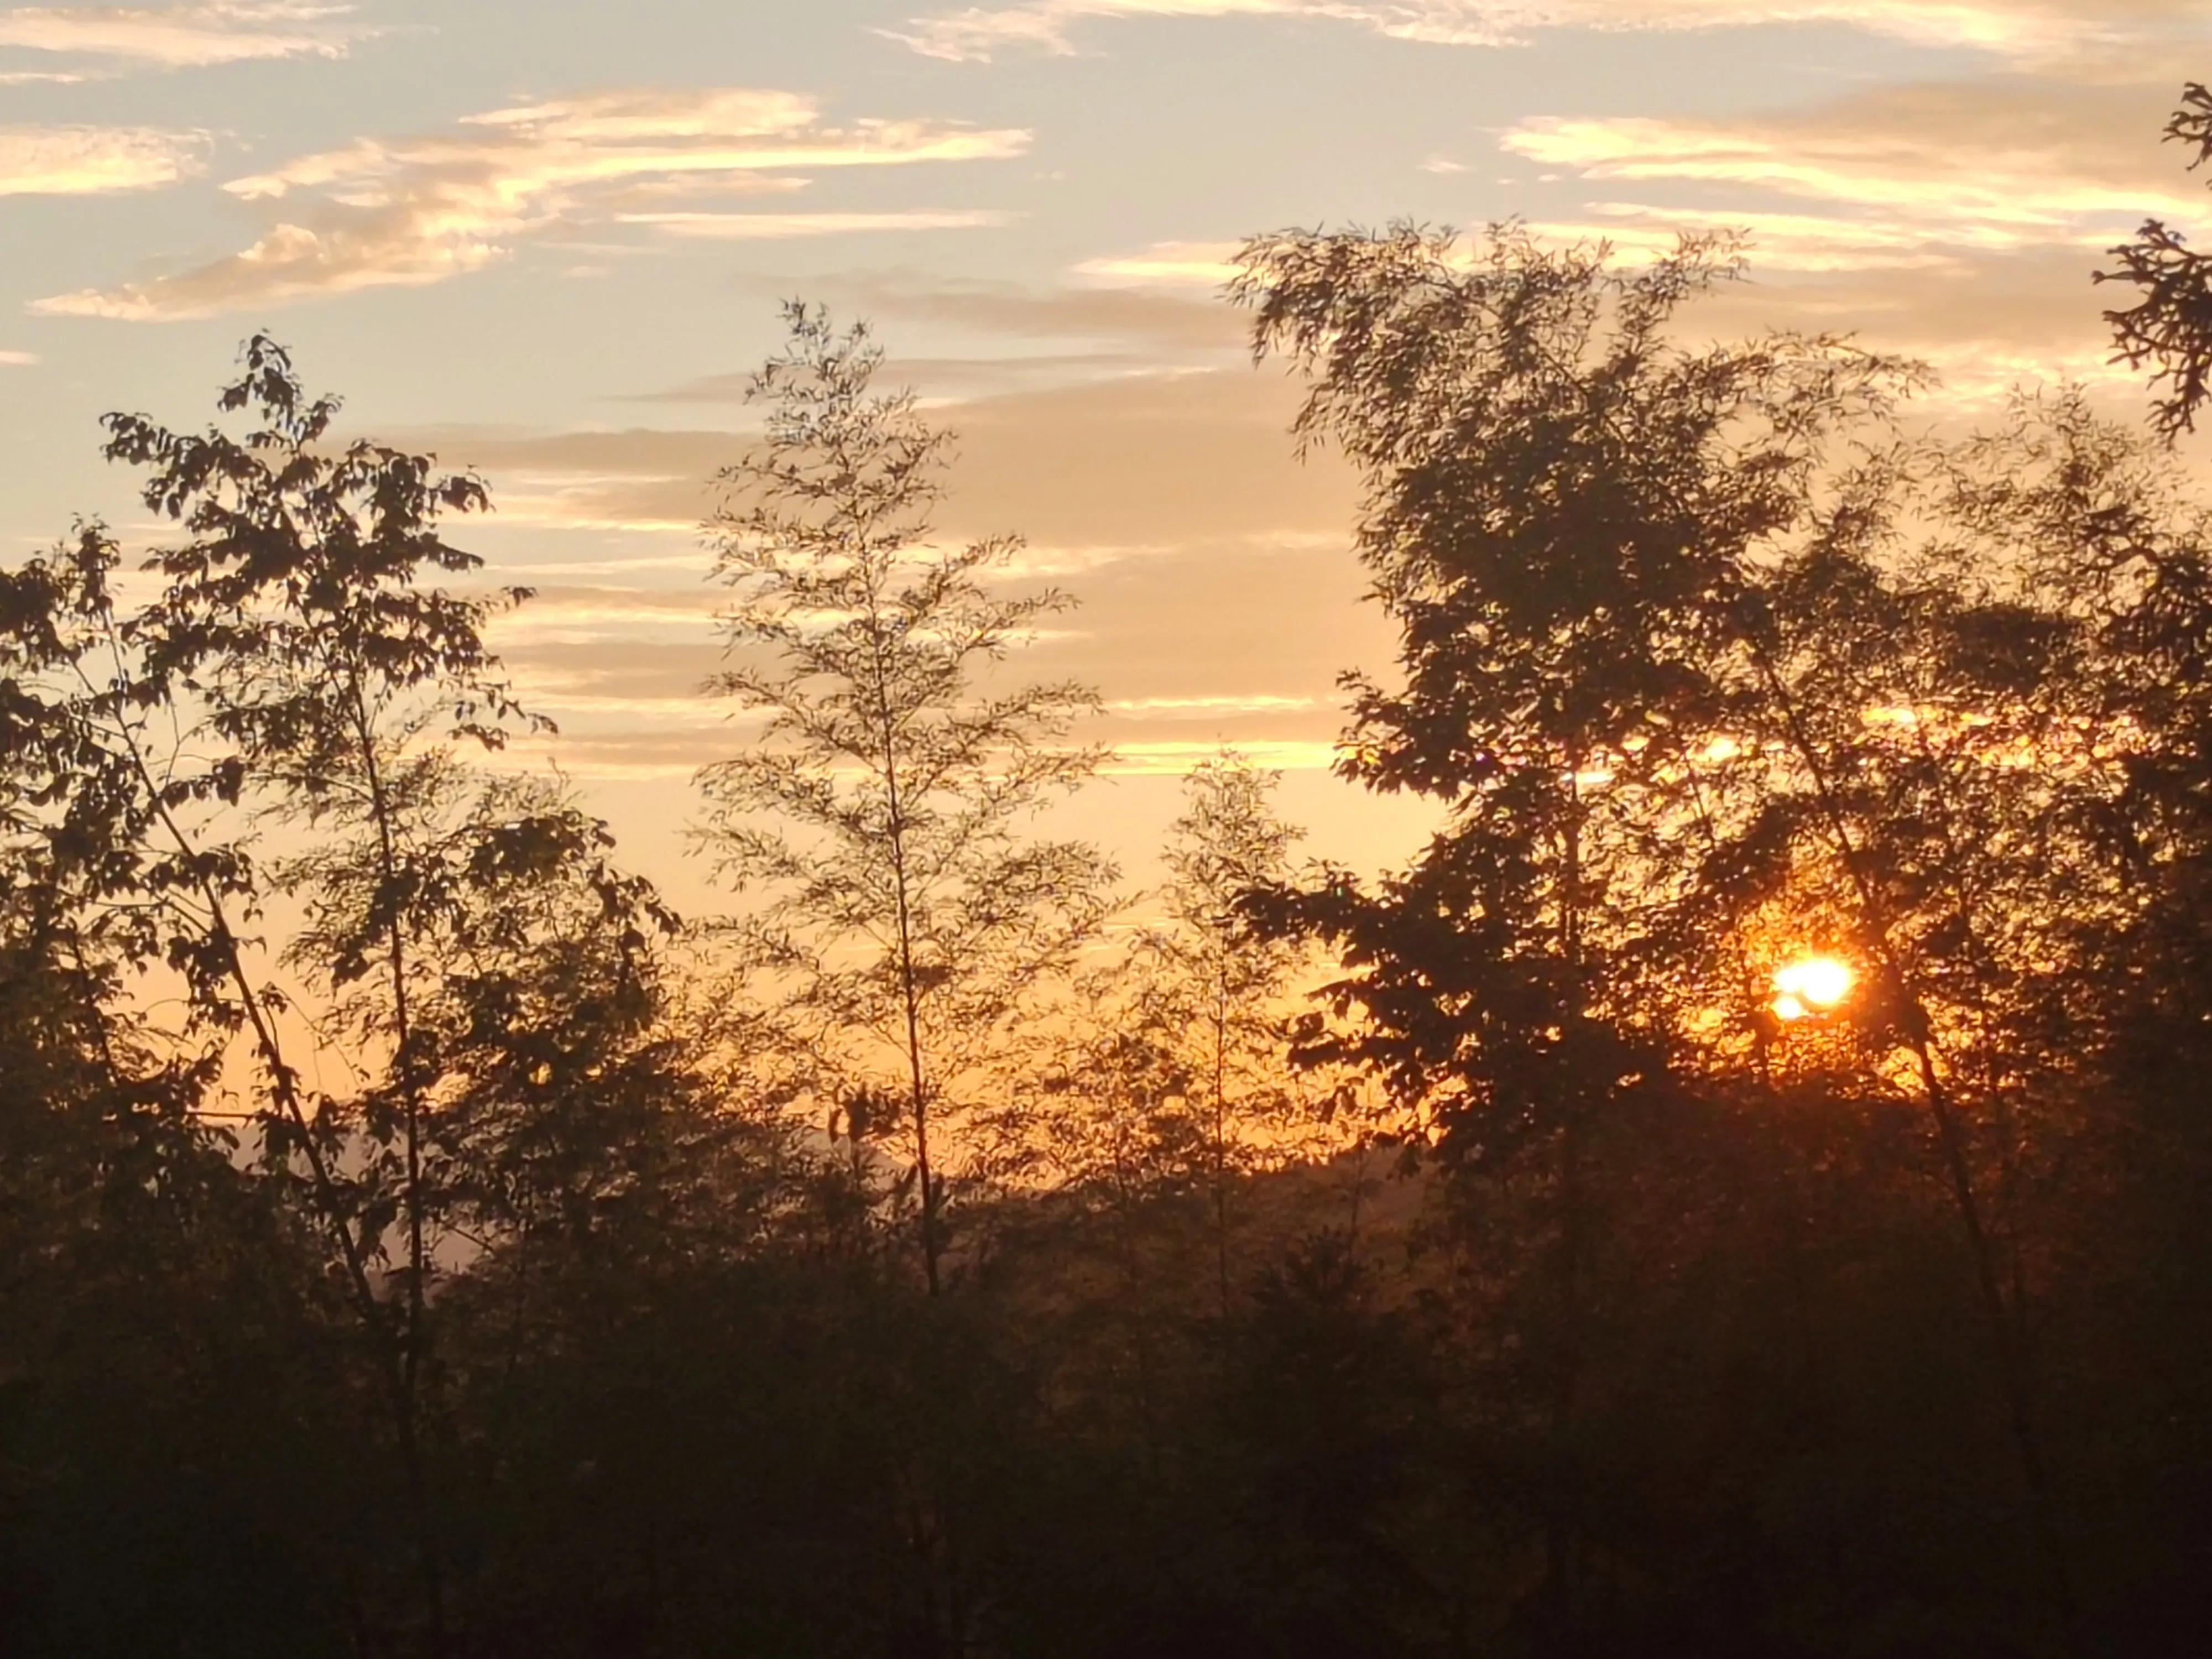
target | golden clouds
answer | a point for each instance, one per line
(95, 160)
(186, 36)
(1219, 598)
(1958, 221)
(786, 227)
(1996, 165)
(1206, 263)
(2021, 30)
(975, 33)
(416, 211)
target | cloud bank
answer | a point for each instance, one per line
(183, 37)
(2003, 163)
(95, 160)
(2021, 29)
(421, 210)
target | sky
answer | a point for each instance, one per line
(547, 240)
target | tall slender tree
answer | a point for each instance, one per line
(884, 805)
(1223, 985)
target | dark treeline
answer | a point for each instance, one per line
(415, 1240)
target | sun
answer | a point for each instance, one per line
(1811, 985)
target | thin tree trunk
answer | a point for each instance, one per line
(1221, 1142)
(910, 990)
(1562, 1538)
(284, 1082)
(2013, 1365)
(411, 1090)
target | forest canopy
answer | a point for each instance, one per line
(1736, 1189)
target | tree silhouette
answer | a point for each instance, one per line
(1220, 986)
(2169, 327)
(408, 1241)
(1692, 711)
(883, 802)
(291, 667)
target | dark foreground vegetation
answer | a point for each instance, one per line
(416, 1241)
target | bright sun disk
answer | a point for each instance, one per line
(1814, 985)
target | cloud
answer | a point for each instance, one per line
(586, 616)
(1790, 243)
(977, 33)
(1175, 760)
(1999, 163)
(1207, 263)
(784, 227)
(1779, 241)
(1214, 707)
(1219, 596)
(1168, 325)
(1136, 464)
(95, 160)
(185, 37)
(2019, 29)
(17, 359)
(1986, 322)
(1942, 178)
(1957, 221)
(421, 210)
(935, 378)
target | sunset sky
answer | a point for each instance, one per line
(547, 238)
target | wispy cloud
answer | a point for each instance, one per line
(1790, 243)
(421, 210)
(1929, 178)
(1254, 702)
(785, 227)
(936, 378)
(976, 33)
(1140, 760)
(95, 160)
(17, 359)
(188, 36)
(1993, 166)
(1173, 263)
(1955, 221)
(1109, 472)
(1958, 222)
(2026, 29)
(1165, 326)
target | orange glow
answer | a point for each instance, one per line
(1812, 985)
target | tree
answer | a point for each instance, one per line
(1219, 987)
(882, 805)
(1694, 707)
(1177, 1077)
(1564, 513)
(292, 667)
(2169, 327)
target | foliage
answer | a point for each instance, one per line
(884, 801)
(1714, 672)
(397, 1256)
(290, 669)
(1175, 1084)
(2169, 327)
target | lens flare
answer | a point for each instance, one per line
(1813, 985)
